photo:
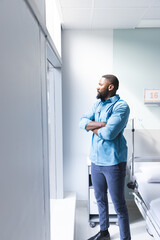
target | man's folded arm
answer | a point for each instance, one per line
(87, 120)
(115, 124)
(95, 125)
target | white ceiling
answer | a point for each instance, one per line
(109, 14)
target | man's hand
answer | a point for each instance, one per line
(95, 125)
(95, 131)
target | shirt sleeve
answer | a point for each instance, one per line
(88, 117)
(116, 123)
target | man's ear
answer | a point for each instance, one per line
(110, 87)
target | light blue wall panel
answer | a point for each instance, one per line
(136, 62)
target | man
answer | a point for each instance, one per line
(108, 154)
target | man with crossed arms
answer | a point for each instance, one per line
(107, 120)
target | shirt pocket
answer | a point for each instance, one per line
(97, 115)
(104, 116)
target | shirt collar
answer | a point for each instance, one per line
(112, 99)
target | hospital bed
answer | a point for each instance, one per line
(145, 181)
(146, 193)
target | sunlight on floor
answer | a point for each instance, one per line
(63, 217)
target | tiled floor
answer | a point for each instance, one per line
(83, 231)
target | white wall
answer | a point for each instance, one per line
(23, 176)
(87, 55)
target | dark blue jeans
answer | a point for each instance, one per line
(112, 178)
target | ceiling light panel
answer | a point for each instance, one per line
(121, 3)
(76, 3)
(117, 18)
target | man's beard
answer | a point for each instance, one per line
(103, 95)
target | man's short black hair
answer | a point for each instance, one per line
(113, 79)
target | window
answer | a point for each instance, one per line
(53, 23)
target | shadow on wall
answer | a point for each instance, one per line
(146, 142)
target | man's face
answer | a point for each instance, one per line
(102, 89)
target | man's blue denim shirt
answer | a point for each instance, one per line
(109, 147)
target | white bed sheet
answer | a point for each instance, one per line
(150, 192)
(155, 210)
